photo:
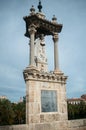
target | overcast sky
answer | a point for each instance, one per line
(14, 50)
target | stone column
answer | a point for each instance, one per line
(56, 60)
(32, 32)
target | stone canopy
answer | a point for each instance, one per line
(43, 26)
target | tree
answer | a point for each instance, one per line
(20, 112)
(6, 112)
(12, 113)
(77, 111)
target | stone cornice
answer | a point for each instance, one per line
(44, 76)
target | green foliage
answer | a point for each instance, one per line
(77, 111)
(6, 112)
(12, 113)
(19, 110)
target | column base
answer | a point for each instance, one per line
(31, 68)
(58, 72)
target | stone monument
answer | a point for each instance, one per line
(46, 102)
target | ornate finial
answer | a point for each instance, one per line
(54, 19)
(39, 6)
(32, 10)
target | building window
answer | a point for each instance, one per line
(48, 101)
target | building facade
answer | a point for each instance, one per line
(3, 97)
(77, 100)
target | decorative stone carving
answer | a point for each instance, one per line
(28, 74)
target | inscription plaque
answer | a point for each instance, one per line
(49, 101)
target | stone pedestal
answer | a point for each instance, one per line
(36, 83)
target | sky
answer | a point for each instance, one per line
(14, 49)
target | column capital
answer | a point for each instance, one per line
(32, 29)
(55, 37)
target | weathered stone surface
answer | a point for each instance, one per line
(15, 127)
(56, 125)
(34, 119)
(41, 118)
(35, 85)
(39, 127)
(84, 122)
